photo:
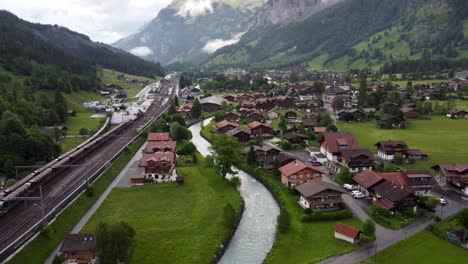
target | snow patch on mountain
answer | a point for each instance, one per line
(215, 44)
(141, 51)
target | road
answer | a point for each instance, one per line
(17, 226)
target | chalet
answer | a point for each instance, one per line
(369, 110)
(421, 182)
(264, 104)
(121, 93)
(410, 113)
(298, 172)
(78, 248)
(158, 137)
(354, 115)
(333, 91)
(347, 233)
(185, 94)
(356, 160)
(255, 116)
(246, 111)
(291, 115)
(161, 146)
(309, 123)
(295, 138)
(265, 152)
(416, 154)
(367, 181)
(249, 105)
(332, 144)
(340, 102)
(452, 174)
(273, 114)
(457, 114)
(224, 126)
(391, 121)
(232, 116)
(230, 98)
(242, 136)
(282, 159)
(196, 90)
(259, 129)
(387, 150)
(185, 109)
(284, 101)
(319, 195)
(159, 167)
(391, 196)
(212, 104)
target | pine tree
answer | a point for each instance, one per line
(196, 109)
(251, 157)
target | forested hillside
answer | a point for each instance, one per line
(356, 34)
(35, 58)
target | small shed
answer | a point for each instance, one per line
(347, 233)
(137, 181)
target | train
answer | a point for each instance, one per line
(29, 183)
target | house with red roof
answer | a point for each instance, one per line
(185, 109)
(159, 166)
(366, 181)
(347, 233)
(298, 172)
(158, 137)
(259, 129)
(332, 144)
(224, 126)
(161, 146)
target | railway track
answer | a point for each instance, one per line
(28, 217)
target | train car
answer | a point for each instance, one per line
(40, 177)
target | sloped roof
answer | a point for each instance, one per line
(158, 156)
(159, 137)
(225, 123)
(78, 243)
(350, 154)
(150, 146)
(346, 230)
(392, 192)
(256, 124)
(213, 100)
(297, 166)
(332, 142)
(367, 179)
(313, 187)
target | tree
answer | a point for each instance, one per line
(176, 101)
(362, 91)
(114, 242)
(185, 148)
(172, 110)
(179, 132)
(332, 128)
(179, 119)
(251, 157)
(196, 110)
(226, 153)
(283, 221)
(462, 218)
(398, 159)
(345, 176)
(276, 166)
(368, 228)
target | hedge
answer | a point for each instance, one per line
(327, 216)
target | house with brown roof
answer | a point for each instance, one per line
(332, 144)
(290, 115)
(294, 138)
(391, 195)
(284, 101)
(265, 152)
(232, 116)
(298, 172)
(224, 126)
(273, 114)
(319, 195)
(309, 123)
(367, 181)
(255, 116)
(457, 114)
(420, 181)
(159, 166)
(161, 146)
(259, 129)
(78, 248)
(410, 113)
(387, 150)
(452, 174)
(158, 137)
(356, 160)
(242, 136)
(347, 233)
(282, 158)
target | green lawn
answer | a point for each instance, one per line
(46, 242)
(423, 247)
(303, 242)
(442, 138)
(110, 77)
(174, 224)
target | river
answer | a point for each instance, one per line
(256, 232)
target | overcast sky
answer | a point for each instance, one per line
(102, 20)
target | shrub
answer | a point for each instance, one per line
(236, 182)
(326, 216)
(307, 211)
(379, 211)
(283, 221)
(369, 227)
(90, 190)
(186, 148)
(84, 131)
(58, 259)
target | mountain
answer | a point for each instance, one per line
(190, 30)
(56, 45)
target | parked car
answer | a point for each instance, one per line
(442, 201)
(358, 195)
(355, 192)
(316, 163)
(349, 187)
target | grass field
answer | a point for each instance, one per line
(303, 242)
(443, 139)
(44, 244)
(423, 247)
(174, 224)
(110, 77)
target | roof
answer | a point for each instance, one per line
(396, 177)
(265, 148)
(332, 142)
(309, 122)
(78, 243)
(294, 135)
(416, 152)
(320, 129)
(350, 154)
(346, 230)
(367, 179)
(150, 146)
(418, 174)
(384, 203)
(159, 137)
(236, 131)
(453, 169)
(392, 192)
(256, 124)
(313, 187)
(213, 100)
(225, 123)
(158, 156)
(390, 145)
(297, 166)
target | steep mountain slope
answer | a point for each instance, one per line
(190, 30)
(346, 35)
(47, 44)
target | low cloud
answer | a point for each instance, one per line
(195, 8)
(142, 51)
(215, 44)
